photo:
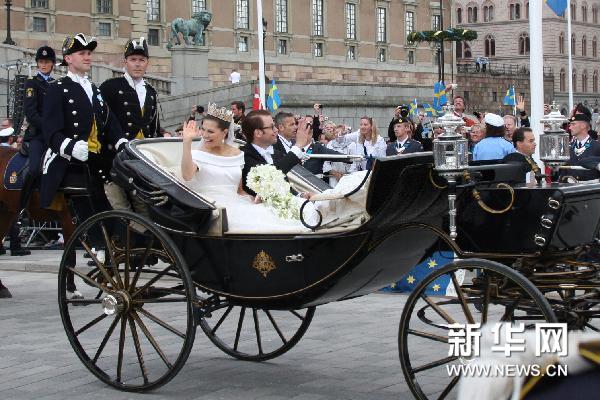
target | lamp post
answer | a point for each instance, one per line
(8, 39)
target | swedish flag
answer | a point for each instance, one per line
(558, 6)
(439, 95)
(509, 99)
(273, 100)
(429, 110)
(413, 108)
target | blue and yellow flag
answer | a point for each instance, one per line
(413, 108)
(439, 95)
(509, 99)
(273, 100)
(558, 6)
(429, 110)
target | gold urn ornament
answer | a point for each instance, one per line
(263, 263)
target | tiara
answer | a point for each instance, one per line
(220, 112)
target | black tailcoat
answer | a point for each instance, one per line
(68, 114)
(252, 158)
(592, 149)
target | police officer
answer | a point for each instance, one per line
(582, 146)
(134, 103)
(35, 91)
(77, 124)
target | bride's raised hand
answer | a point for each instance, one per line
(189, 131)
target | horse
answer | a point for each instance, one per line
(194, 27)
(10, 209)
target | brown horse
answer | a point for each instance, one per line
(10, 208)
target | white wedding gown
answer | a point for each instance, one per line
(219, 177)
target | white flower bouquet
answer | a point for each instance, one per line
(270, 185)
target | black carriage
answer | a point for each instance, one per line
(525, 253)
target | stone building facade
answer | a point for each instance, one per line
(503, 37)
(307, 40)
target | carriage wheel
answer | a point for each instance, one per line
(253, 334)
(135, 327)
(502, 295)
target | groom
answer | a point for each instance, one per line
(259, 129)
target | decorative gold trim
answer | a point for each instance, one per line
(263, 263)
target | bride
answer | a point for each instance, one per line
(214, 170)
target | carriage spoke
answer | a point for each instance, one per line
(438, 309)
(486, 303)
(121, 348)
(100, 266)
(449, 388)
(139, 268)
(239, 328)
(463, 301)
(434, 364)
(88, 279)
(127, 255)
(158, 321)
(153, 280)
(257, 330)
(90, 324)
(138, 349)
(297, 315)
(223, 317)
(431, 336)
(111, 254)
(592, 327)
(83, 302)
(151, 339)
(109, 333)
(283, 339)
(154, 301)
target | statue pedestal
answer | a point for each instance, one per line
(189, 69)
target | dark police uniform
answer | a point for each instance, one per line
(581, 151)
(69, 114)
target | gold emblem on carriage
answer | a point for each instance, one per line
(13, 178)
(263, 263)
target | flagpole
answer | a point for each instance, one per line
(261, 51)
(570, 55)
(536, 68)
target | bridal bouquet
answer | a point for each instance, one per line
(270, 185)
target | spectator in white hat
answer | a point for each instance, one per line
(494, 146)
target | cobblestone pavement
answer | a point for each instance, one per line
(349, 352)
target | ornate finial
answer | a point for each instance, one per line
(220, 112)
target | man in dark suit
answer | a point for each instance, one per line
(286, 131)
(524, 141)
(35, 91)
(582, 146)
(258, 127)
(403, 128)
(77, 124)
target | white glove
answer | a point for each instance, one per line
(80, 151)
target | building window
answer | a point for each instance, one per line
(281, 15)
(524, 44)
(242, 14)
(595, 14)
(351, 21)
(488, 13)
(490, 46)
(584, 12)
(104, 29)
(282, 46)
(514, 11)
(459, 49)
(472, 15)
(561, 43)
(381, 55)
(584, 82)
(104, 6)
(409, 24)
(594, 47)
(318, 49)
(381, 24)
(436, 22)
(562, 83)
(573, 12)
(595, 82)
(317, 13)
(243, 44)
(494, 96)
(411, 57)
(198, 5)
(351, 54)
(459, 15)
(527, 10)
(153, 37)
(39, 24)
(573, 43)
(39, 3)
(584, 46)
(153, 10)
(574, 80)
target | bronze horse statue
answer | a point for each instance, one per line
(10, 209)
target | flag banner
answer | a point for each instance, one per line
(414, 108)
(430, 111)
(273, 101)
(442, 286)
(439, 95)
(558, 6)
(256, 103)
(509, 99)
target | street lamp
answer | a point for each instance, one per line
(8, 39)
